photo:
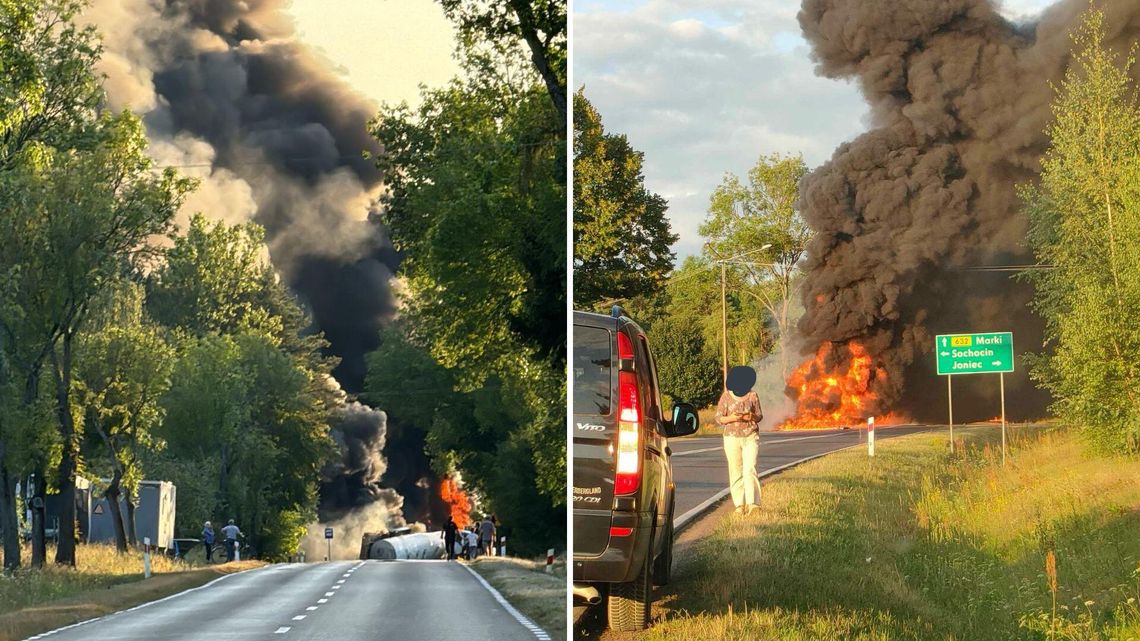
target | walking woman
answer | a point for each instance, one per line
(739, 413)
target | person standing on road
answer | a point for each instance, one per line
(208, 541)
(487, 535)
(472, 542)
(449, 530)
(231, 534)
(739, 413)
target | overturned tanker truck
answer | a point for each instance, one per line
(401, 543)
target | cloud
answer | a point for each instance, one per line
(705, 88)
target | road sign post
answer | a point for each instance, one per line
(871, 436)
(1002, 375)
(328, 540)
(988, 353)
(950, 407)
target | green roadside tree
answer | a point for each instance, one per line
(687, 368)
(1085, 230)
(476, 201)
(214, 279)
(621, 235)
(756, 229)
(84, 217)
(122, 370)
(48, 100)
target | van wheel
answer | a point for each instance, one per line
(663, 565)
(630, 603)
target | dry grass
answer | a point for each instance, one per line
(34, 601)
(524, 583)
(916, 544)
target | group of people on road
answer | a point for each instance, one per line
(478, 539)
(230, 534)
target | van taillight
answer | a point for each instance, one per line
(625, 346)
(627, 476)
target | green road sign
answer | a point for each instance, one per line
(974, 353)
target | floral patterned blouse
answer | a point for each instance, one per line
(730, 404)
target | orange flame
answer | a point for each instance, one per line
(454, 496)
(837, 392)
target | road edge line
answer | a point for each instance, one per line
(143, 605)
(687, 519)
(538, 632)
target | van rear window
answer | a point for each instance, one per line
(592, 362)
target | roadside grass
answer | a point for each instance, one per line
(523, 582)
(103, 581)
(917, 544)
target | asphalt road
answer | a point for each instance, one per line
(701, 472)
(337, 601)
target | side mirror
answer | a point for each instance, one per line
(685, 420)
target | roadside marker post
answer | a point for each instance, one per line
(871, 436)
(503, 550)
(986, 353)
(549, 560)
(146, 557)
(328, 540)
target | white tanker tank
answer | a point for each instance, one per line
(402, 543)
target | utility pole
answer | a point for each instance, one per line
(723, 328)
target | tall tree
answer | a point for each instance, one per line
(1085, 232)
(48, 100)
(621, 235)
(123, 369)
(541, 24)
(86, 216)
(476, 200)
(756, 229)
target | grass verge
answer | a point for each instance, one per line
(538, 595)
(916, 544)
(35, 601)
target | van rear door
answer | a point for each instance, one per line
(595, 378)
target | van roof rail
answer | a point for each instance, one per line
(617, 312)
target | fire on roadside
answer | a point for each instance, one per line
(458, 500)
(835, 388)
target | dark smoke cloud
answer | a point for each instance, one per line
(352, 481)
(229, 95)
(960, 102)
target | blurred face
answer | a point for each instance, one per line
(740, 380)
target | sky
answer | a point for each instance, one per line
(705, 87)
(385, 48)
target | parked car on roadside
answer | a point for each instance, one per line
(623, 483)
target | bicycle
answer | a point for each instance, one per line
(218, 552)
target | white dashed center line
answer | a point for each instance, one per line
(311, 608)
(281, 630)
(322, 600)
(328, 594)
(299, 617)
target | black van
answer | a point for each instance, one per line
(623, 483)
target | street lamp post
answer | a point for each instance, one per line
(724, 310)
(723, 329)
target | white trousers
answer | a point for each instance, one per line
(742, 480)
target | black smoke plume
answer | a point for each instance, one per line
(229, 95)
(960, 99)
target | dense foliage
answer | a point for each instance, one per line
(476, 200)
(621, 234)
(1085, 232)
